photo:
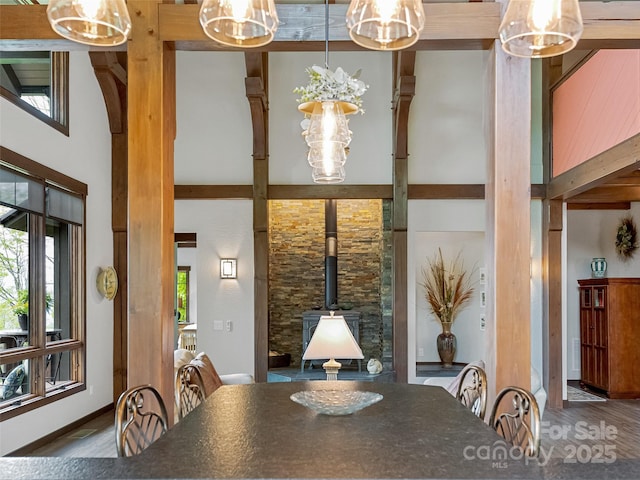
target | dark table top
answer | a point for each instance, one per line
(256, 431)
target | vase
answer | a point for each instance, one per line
(23, 321)
(446, 343)
(598, 267)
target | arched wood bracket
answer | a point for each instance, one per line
(403, 92)
(111, 73)
(256, 90)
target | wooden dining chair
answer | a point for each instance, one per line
(190, 390)
(472, 389)
(518, 422)
(141, 418)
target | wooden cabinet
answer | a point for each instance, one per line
(610, 335)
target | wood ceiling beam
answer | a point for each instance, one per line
(302, 25)
(622, 159)
(448, 26)
(607, 193)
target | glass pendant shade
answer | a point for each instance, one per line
(103, 23)
(328, 176)
(385, 24)
(327, 155)
(540, 28)
(239, 23)
(328, 123)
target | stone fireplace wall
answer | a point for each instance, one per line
(296, 270)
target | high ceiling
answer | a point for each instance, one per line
(29, 72)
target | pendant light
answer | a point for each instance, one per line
(103, 23)
(328, 133)
(385, 24)
(540, 28)
(239, 23)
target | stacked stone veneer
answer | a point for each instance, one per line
(296, 271)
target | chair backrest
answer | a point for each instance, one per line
(187, 340)
(472, 389)
(518, 422)
(138, 425)
(189, 389)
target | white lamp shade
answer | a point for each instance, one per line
(103, 23)
(332, 339)
(540, 28)
(239, 23)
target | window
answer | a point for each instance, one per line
(42, 346)
(182, 292)
(38, 83)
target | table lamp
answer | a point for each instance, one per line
(332, 339)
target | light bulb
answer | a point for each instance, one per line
(543, 15)
(239, 9)
(90, 9)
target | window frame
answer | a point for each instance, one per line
(39, 347)
(58, 97)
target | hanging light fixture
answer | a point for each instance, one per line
(103, 23)
(326, 101)
(385, 24)
(239, 23)
(540, 28)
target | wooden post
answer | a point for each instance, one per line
(508, 207)
(151, 80)
(404, 84)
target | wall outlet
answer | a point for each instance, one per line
(421, 352)
(229, 325)
(217, 325)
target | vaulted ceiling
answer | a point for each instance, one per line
(596, 184)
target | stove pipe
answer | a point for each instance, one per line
(331, 255)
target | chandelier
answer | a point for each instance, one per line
(540, 28)
(326, 101)
(106, 23)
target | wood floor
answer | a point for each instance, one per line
(582, 432)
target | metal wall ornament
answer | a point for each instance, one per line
(626, 239)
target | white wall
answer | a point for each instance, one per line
(86, 156)
(369, 160)
(591, 233)
(225, 230)
(433, 225)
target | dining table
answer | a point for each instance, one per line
(257, 431)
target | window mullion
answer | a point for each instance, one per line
(37, 314)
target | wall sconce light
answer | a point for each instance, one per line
(228, 268)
